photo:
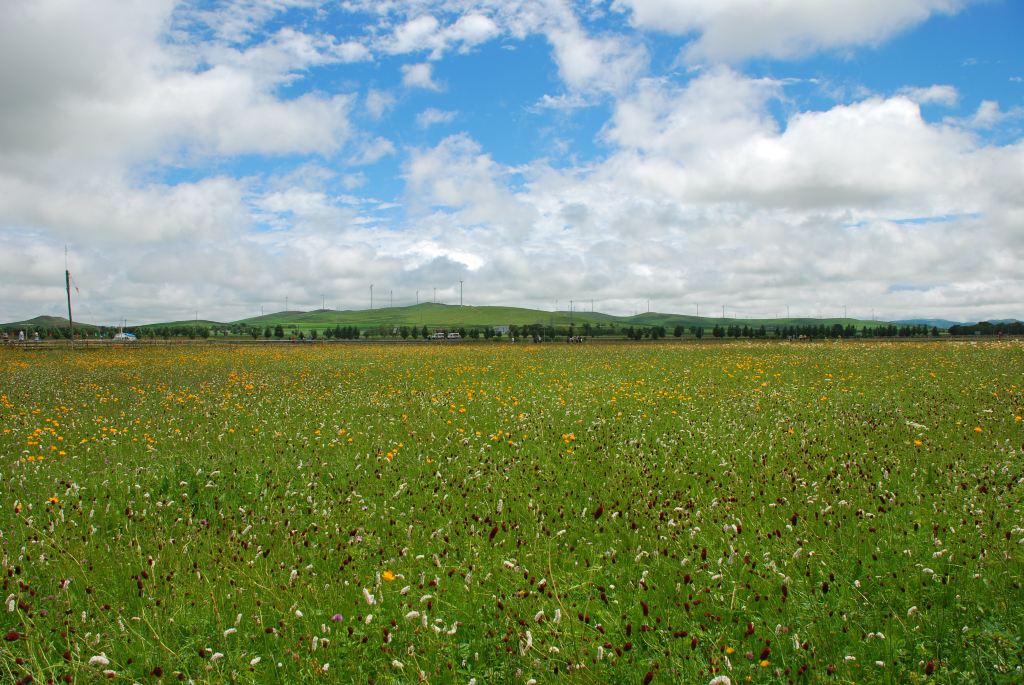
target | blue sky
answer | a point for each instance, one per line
(221, 156)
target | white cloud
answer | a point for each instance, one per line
(733, 30)
(416, 34)
(419, 76)
(990, 115)
(426, 33)
(937, 94)
(378, 102)
(431, 116)
(565, 102)
(373, 151)
(601, 64)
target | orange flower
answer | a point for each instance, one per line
(918, 443)
(978, 429)
(388, 576)
(53, 500)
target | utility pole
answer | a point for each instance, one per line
(67, 282)
(460, 293)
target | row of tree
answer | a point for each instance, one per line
(989, 328)
(539, 332)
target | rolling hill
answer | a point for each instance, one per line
(445, 316)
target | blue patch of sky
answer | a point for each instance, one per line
(939, 219)
(907, 287)
(977, 51)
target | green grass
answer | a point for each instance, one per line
(596, 513)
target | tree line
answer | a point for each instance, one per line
(988, 328)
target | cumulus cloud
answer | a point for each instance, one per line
(734, 30)
(587, 63)
(432, 116)
(426, 33)
(372, 151)
(378, 102)
(419, 76)
(937, 94)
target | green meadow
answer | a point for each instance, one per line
(602, 513)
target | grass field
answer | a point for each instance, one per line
(610, 513)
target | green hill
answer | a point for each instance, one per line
(46, 322)
(455, 316)
(428, 314)
(445, 316)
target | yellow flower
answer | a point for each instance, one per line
(729, 650)
(978, 429)
(388, 576)
(53, 500)
(764, 663)
(918, 443)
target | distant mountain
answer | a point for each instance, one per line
(944, 324)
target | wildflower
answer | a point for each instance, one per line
(99, 660)
(337, 618)
(395, 663)
(53, 500)
(255, 660)
(978, 429)
(217, 656)
(368, 597)
(720, 680)
(764, 663)
(911, 611)
(412, 615)
(230, 631)
(918, 443)
(388, 576)
(729, 650)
